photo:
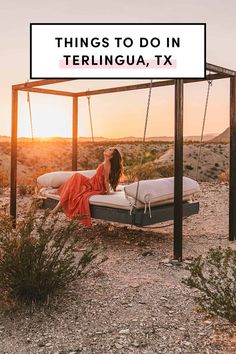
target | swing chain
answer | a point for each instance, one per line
(90, 116)
(142, 153)
(203, 127)
(30, 114)
(147, 112)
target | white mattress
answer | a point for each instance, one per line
(114, 200)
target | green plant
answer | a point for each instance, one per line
(130, 174)
(215, 277)
(4, 177)
(166, 170)
(189, 167)
(22, 189)
(26, 186)
(140, 172)
(37, 258)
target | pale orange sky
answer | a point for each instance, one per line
(119, 114)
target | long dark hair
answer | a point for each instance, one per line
(116, 169)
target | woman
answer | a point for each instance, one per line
(75, 192)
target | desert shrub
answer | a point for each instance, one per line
(224, 176)
(4, 177)
(6, 147)
(215, 278)
(166, 170)
(140, 172)
(37, 258)
(24, 189)
(189, 167)
(148, 170)
(129, 174)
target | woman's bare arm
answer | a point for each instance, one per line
(107, 169)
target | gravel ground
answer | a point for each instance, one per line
(135, 302)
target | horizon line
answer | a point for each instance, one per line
(103, 137)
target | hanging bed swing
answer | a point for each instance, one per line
(142, 203)
(116, 208)
(217, 73)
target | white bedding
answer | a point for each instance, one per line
(114, 200)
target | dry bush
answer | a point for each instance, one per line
(37, 258)
(166, 170)
(189, 167)
(215, 278)
(224, 176)
(148, 170)
(5, 147)
(4, 177)
(26, 188)
(141, 172)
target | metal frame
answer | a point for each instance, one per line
(217, 72)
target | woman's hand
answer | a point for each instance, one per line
(107, 186)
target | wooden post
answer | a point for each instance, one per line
(74, 133)
(13, 175)
(232, 169)
(178, 179)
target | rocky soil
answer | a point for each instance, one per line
(135, 302)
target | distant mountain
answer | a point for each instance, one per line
(207, 137)
(223, 137)
(96, 138)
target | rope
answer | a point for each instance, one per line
(144, 139)
(203, 126)
(90, 118)
(30, 115)
(147, 112)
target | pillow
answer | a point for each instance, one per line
(157, 190)
(56, 179)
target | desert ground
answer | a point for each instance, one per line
(136, 301)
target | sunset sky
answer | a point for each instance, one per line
(120, 114)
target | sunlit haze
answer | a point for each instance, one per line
(117, 114)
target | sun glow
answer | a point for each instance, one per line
(121, 114)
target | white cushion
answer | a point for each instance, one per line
(56, 179)
(157, 190)
(113, 200)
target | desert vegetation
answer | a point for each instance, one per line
(135, 301)
(37, 258)
(215, 278)
(152, 160)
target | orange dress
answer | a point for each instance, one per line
(75, 193)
